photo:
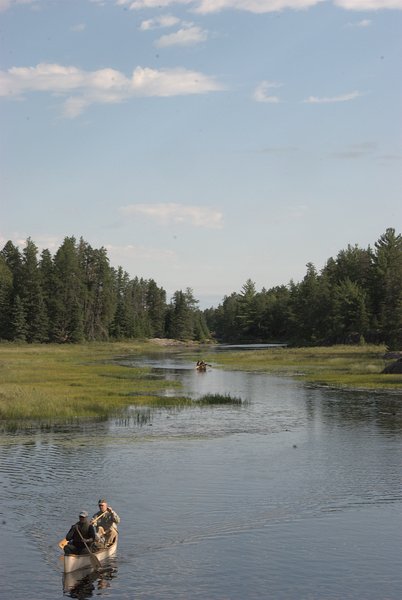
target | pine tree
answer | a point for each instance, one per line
(67, 323)
(19, 327)
(156, 308)
(387, 289)
(6, 294)
(32, 296)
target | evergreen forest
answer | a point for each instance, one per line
(76, 295)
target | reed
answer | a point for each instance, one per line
(212, 399)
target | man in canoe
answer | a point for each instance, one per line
(81, 536)
(106, 521)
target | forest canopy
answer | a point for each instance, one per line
(76, 295)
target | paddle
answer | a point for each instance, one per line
(94, 559)
(93, 521)
(62, 543)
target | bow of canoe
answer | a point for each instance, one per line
(72, 562)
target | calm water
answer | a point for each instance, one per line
(297, 494)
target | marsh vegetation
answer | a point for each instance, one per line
(353, 367)
(83, 381)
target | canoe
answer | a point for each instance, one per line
(72, 562)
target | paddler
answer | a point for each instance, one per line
(106, 521)
(80, 535)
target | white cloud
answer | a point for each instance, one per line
(171, 82)
(105, 86)
(333, 99)
(78, 28)
(262, 6)
(197, 216)
(369, 4)
(254, 6)
(140, 4)
(261, 92)
(363, 24)
(159, 22)
(187, 36)
(6, 4)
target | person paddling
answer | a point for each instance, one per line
(80, 535)
(106, 521)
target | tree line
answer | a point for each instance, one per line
(357, 297)
(77, 296)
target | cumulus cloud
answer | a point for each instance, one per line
(106, 86)
(141, 4)
(332, 99)
(253, 6)
(159, 22)
(262, 6)
(170, 212)
(369, 4)
(186, 36)
(261, 92)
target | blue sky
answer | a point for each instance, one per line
(202, 142)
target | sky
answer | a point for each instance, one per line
(202, 142)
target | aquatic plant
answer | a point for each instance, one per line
(219, 399)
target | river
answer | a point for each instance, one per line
(294, 494)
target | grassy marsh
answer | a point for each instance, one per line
(66, 382)
(354, 367)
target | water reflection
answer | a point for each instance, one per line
(352, 408)
(84, 583)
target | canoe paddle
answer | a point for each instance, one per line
(94, 559)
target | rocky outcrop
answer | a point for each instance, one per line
(394, 368)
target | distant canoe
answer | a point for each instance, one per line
(72, 562)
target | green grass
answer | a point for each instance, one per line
(74, 381)
(62, 383)
(354, 367)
